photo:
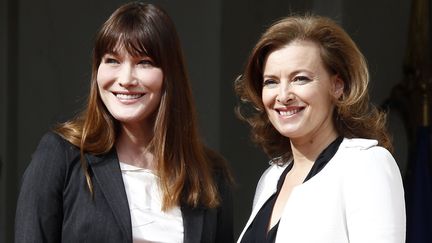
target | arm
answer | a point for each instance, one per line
(39, 209)
(224, 212)
(374, 198)
(225, 227)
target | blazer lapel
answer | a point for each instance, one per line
(266, 188)
(193, 219)
(108, 176)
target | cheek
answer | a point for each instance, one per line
(158, 81)
(323, 102)
(316, 94)
(152, 78)
(101, 77)
(105, 76)
(267, 97)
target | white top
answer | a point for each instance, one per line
(357, 197)
(149, 222)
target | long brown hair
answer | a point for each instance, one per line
(182, 164)
(354, 116)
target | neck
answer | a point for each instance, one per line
(306, 151)
(132, 145)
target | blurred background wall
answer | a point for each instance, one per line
(45, 49)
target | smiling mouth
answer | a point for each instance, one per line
(289, 112)
(128, 96)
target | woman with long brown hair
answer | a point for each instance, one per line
(131, 167)
(331, 177)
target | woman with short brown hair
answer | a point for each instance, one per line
(331, 177)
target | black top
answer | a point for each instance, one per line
(257, 230)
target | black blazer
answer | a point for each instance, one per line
(55, 205)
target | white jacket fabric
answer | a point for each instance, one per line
(357, 197)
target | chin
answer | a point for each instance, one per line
(289, 133)
(125, 118)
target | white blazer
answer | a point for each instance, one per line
(357, 197)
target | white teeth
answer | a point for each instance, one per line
(289, 113)
(128, 96)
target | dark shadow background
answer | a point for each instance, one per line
(45, 49)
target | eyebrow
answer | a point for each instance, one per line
(291, 74)
(270, 76)
(117, 54)
(113, 53)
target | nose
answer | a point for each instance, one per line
(285, 94)
(127, 77)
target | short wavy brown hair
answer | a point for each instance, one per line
(354, 115)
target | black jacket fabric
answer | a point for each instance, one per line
(55, 205)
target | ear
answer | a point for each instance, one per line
(337, 87)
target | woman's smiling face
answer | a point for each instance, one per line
(130, 87)
(298, 91)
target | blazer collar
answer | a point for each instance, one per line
(267, 186)
(107, 174)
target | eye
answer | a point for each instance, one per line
(301, 79)
(146, 62)
(110, 60)
(270, 83)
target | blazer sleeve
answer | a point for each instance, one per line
(374, 198)
(224, 232)
(39, 208)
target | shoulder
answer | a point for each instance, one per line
(45, 175)
(219, 166)
(359, 159)
(57, 144)
(359, 152)
(372, 188)
(52, 154)
(52, 140)
(358, 143)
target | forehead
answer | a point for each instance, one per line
(299, 54)
(125, 46)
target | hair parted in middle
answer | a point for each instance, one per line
(354, 115)
(182, 164)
